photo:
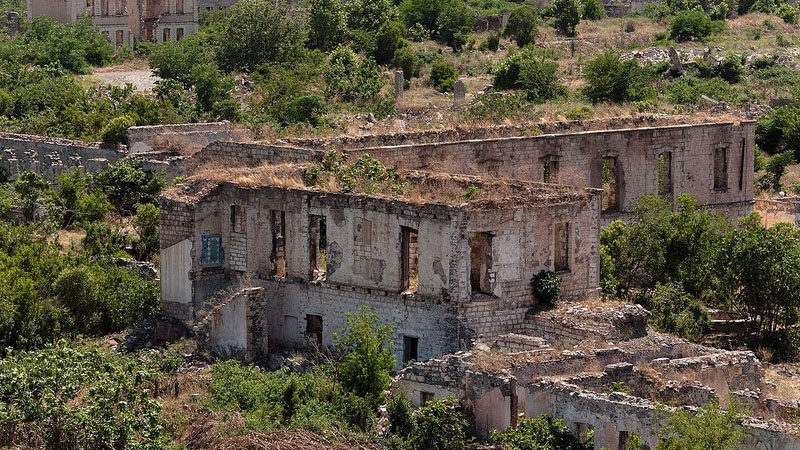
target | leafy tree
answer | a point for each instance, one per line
(707, 429)
(439, 425)
(349, 79)
(79, 203)
(213, 90)
(258, 32)
(788, 13)
(126, 185)
(327, 24)
(567, 15)
(776, 168)
(453, 23)
(760, 274)
(73, 47)
(174, 60)
(675, 311)
(367, 354)
(593, 10)
(690, 25)
(6, 102)
(538, 433)
(425, 13)
(387, 41)
(32, 190)
(401, 421)
(522, 25)
(369, 15)
(146, 223)
(609, 79)
(407, 59)
(443, 76)
(779, 130)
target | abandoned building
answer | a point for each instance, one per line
(439, 267)
(125, 21)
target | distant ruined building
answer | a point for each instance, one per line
(126, 21)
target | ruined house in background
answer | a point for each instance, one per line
(125, 21)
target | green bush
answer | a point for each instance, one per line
(688, 90)
(453, 23)
(546, 287)
(522, 25)
(532, 71)
(127, 185)
(708, 428)
(304, 109)
(493, 42)
(6, 102)
(675, 311)
(174, 60)
(408, 60)
(731, 68)
(567, 15)
(369, 15)
(609, 79)
(116, 130)
(349, 79)
(387, 41)
(788, 13)
(424, 14)
(213, 91)
(401, 421)
(439, 425)
(443, 76)
(691, 25)
(367, 354)
(327, 24)
(779, 130)
(785, 345)
(535, 433)
(66, 397)
(593, 10)
(146, 224)
(258, 32)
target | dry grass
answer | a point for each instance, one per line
(785, 387)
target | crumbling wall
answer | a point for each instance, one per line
(691, 150)
(185, 138)
(236, 327)
(775, 211)
(235, 154)
(51, 156)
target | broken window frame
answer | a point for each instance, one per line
(317, 246)
(549, 168)
(278, 258)
(611, 184)
(480, 274)
(410, 342)
(238, 219)
(720, 167)
(664, 170)
(409, 259)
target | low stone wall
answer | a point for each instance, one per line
(234, 154)
(185, 138)
(51, 156)
(236, 327)
(775, 211)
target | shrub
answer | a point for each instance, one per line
(609, 79)
(779, 130)
(675, 311)
(546, 287)
(401, 421)
(567, 15)
(443, 76)
(6, 102)
(387, 41)
(579, 113)
(593, 10)
(304, 109)
(731, 68)
(212, 89)
(423, 14)
(690, 25)
(327, 24)
(258, 32)
(126, 185)
(453, 23)
(116, 130)
(708, 428)
(540, 432)
(776, 168)
(146, 223)
(522, 25)
(407, 59)
(532, 71)
(174, 60)
(369, 15)
(439, 425)
(349, 79)
(367, 354)
(493, 42)
(785, 345)
(689, 90)
(788, 13)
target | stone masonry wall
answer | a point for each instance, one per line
(235, 154)
(774, 211)
(185, 138)
(51, 156)
(580, 159)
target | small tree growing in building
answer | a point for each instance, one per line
(367, 354)
(546, 287)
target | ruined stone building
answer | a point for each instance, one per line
(125, 21)
(440, 268)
